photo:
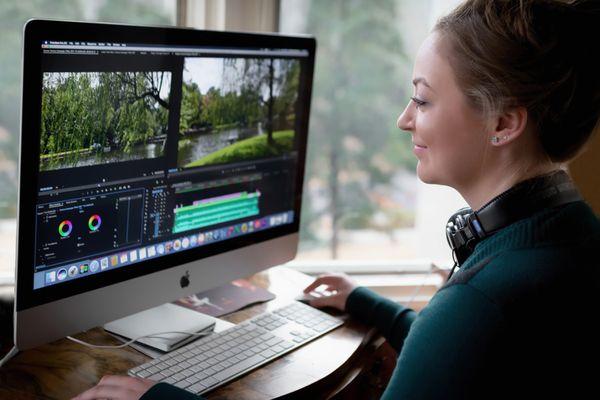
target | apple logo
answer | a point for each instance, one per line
(185, 280)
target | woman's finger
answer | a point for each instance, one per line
(322, 280)
(108, 392)
(132, 383)
(326, 301)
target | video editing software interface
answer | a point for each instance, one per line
(148, 150)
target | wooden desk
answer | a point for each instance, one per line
(342, 364)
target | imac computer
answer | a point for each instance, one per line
(155, 163)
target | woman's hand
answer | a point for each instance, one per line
(117, 388)
(340, 286)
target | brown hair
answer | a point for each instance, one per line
(539, 54)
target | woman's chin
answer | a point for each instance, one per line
(423, 174)
(429, 176)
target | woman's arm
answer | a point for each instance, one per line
(130, 388)
(165, 391)
(392, 319)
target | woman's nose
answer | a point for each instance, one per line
(405, 120)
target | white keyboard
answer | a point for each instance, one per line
(212, 361)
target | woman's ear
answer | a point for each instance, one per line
(509, 125)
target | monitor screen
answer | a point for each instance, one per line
(149, 154)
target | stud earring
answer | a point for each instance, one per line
(496, 139)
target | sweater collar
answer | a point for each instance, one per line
(570, 223)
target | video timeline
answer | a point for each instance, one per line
(216, 210)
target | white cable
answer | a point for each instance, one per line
(418, 288)
(152, 335)
(9, 355)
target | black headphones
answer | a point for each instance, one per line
(466, 228)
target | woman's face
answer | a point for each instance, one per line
(449, 135)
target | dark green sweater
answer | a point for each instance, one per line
(517, 320)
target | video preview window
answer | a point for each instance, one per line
(92, 118)
(236, 109)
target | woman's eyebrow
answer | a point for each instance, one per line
(422, 80)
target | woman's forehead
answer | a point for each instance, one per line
(432, 69)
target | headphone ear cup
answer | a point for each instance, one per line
(454, 220)
(456, 223)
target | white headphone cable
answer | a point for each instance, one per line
(152, 335)
(418, 288)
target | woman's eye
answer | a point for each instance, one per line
(418, 102)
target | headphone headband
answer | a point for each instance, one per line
(525, 199)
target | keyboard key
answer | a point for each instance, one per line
(179, 376)
(196, 388)
(136, 369)
(182, 384)
(204, 365)
(208, 382)
(170, 362)
(144, 374)
(229, 353)
(153, 369)
(237, 368)
(238, 358)
(175, 368)
(267, 353)
(277, 349)
(156, 377)
(201, 375)
(274, 341)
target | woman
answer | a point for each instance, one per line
(504, 94)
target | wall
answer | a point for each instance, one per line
(585, 172)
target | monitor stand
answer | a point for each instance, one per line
(164, 318)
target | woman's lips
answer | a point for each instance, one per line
(419, 149)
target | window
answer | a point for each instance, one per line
(363, 200)
(13, 15)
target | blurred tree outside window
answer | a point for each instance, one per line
(362, 198)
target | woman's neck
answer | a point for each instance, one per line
(480, 193)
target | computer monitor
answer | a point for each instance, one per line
(154, 163)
